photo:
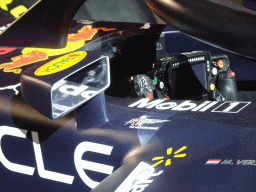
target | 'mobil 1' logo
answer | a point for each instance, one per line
(61, 63)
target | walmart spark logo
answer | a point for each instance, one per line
(168, 161)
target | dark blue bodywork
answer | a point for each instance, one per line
(99, 145)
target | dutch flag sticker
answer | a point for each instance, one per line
(213, 162)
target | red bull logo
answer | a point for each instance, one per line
(22, 60)
(86, 33)
(34, 55)
(5, 50)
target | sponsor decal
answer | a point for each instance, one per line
(231, 162)
(168, 161)
(86, 33)
(5, 50)
(140, 178)
(34, 55)
(23, 60)
(11, 87)
(4, 27)
(16, 11)
(137, 123)
(71, 96)
(61, 107)
(67, 95)
(160, 104)
(230, 107)
(80, 164)
(61, 63)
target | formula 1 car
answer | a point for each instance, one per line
(110, 106)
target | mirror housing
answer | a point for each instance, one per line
(57, 87)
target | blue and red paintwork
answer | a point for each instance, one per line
(213, 133)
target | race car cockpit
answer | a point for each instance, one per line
(124, 107)
(181, 76)
(199, 74)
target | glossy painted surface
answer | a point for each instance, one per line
(113, 143)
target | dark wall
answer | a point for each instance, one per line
(109, 10)
(100, 10)
(116, 10)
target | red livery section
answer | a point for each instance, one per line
(4, 50)
(34, 55)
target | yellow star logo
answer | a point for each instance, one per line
(3, 4)
(169, 152)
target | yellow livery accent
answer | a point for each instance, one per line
(71, 46)
(61, 63)
(19, 10)
(4, 3)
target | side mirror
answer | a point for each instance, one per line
(55, 88)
